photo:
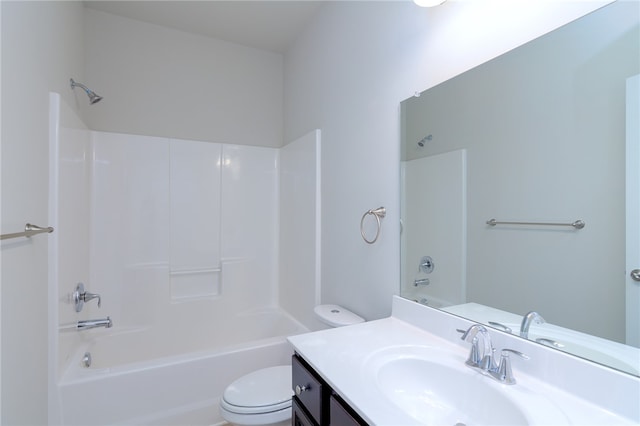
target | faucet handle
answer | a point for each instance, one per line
(504, 373)
(86, 296)
(80, 296)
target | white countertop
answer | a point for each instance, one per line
(341, 356)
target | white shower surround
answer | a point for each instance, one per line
(182, 241)
(150, 276)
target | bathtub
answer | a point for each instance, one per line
(164, 376)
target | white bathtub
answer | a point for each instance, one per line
(167, 377)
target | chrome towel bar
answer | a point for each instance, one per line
(578, 224)
(29, 230)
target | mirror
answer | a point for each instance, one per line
(537, 136)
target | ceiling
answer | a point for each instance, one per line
(263, 24)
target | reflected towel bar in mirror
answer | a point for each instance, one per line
(578, 224)
(29, 230)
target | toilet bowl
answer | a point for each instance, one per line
(263, 397)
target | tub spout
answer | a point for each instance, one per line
(86, 325)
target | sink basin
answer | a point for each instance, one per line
(432, 386)
(436, 394)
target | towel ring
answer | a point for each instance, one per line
(378, 213)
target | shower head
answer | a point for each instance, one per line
(424, 140)
(93, 97)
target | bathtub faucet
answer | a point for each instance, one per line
(80, 296)
(87, 324)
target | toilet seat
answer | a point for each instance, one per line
(262, 393)
(255, 410)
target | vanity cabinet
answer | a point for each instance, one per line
(315, 403)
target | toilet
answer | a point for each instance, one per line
(263, 397)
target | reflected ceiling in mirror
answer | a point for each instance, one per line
(535, 135)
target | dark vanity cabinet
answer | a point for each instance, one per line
(315, 403)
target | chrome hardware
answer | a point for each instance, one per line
(578, 224)
(635, 275)
(426, 265)
(482, 360)
(502, 326)
(88, 324)
(423, 281)
(29, 230)
(86, 360)
(80, 296)
(503, 373)
(299, 389)
(549, 342)
(485, 360)
(379, 214)
(532, 316)
(93, 96)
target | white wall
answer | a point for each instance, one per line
(347, 75)
(158, 81)
(41, 49)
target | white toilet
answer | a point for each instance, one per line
(263, 397)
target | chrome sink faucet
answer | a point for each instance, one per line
(531, 317)
(484, 360)
(477, 358)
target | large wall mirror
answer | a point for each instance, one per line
(536, 138)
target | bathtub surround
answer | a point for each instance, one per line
(195, 183)
(182, 210)
(300, 226)
(435, 181)
(180, 239)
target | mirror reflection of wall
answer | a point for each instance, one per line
(543, 127)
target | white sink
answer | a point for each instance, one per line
(409, 369)
(434, 387)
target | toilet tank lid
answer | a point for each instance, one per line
(336, 315)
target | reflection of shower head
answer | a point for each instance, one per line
(93, 97)
(422, 141)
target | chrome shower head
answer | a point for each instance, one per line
(423, 141)
(93, 96)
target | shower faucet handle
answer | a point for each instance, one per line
(80, 296)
